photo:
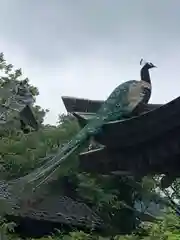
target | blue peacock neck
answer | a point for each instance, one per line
(145, 76)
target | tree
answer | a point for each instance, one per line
(17, 98)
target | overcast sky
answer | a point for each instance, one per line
(85, 48)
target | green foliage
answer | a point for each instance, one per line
(21, 153)
(168, 229)
(9, 82)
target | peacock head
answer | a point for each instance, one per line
(147, 65)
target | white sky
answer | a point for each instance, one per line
(86, 48)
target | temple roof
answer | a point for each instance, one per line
(135, 130)
(148, 143)
(146, 127)
(85, 109)
(81, 105)
(58, 212)
(61, 209)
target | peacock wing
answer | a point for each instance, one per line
(116, 102)
(136, 94)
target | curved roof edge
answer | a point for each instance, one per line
(73, 104)
(142, 128)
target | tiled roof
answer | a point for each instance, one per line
(148, 144)
(73, 104)
(61, 209)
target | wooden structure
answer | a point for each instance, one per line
(147, 143)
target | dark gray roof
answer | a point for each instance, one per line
(81, 105)
(28, 117)
(145, 144)
(73, 104)
(61, 209)
(143, 128)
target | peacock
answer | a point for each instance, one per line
(121, 102)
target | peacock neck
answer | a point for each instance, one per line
(145, 76)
